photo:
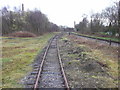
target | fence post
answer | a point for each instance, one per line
(69, 33)
(110, 42)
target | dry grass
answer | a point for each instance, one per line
(103, 53)
(86, 65)
(18, 54)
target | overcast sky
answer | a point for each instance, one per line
(62, 12)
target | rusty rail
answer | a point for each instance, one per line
(41, 66)
(63, 72)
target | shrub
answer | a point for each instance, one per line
(22, 34)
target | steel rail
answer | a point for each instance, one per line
(41, 65)
(63, 72)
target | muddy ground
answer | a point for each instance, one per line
(82, 70)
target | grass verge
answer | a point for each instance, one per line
(17, 55)
(106, 55)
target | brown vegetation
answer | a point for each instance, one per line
(22, 34)
(105, 55)
(110, 51)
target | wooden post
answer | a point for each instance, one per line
(69, 33)
(110, 42)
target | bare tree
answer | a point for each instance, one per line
(33, 21)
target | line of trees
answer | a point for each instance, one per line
(32, 21)
(106, 21)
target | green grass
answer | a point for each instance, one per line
(17, 55)
(63, 38)
(104, 38)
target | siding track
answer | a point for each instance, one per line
(110, 42)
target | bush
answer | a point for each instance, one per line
(22, 34)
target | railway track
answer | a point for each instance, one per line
(49, 73)
(110, 42)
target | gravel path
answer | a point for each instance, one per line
(51, 76)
